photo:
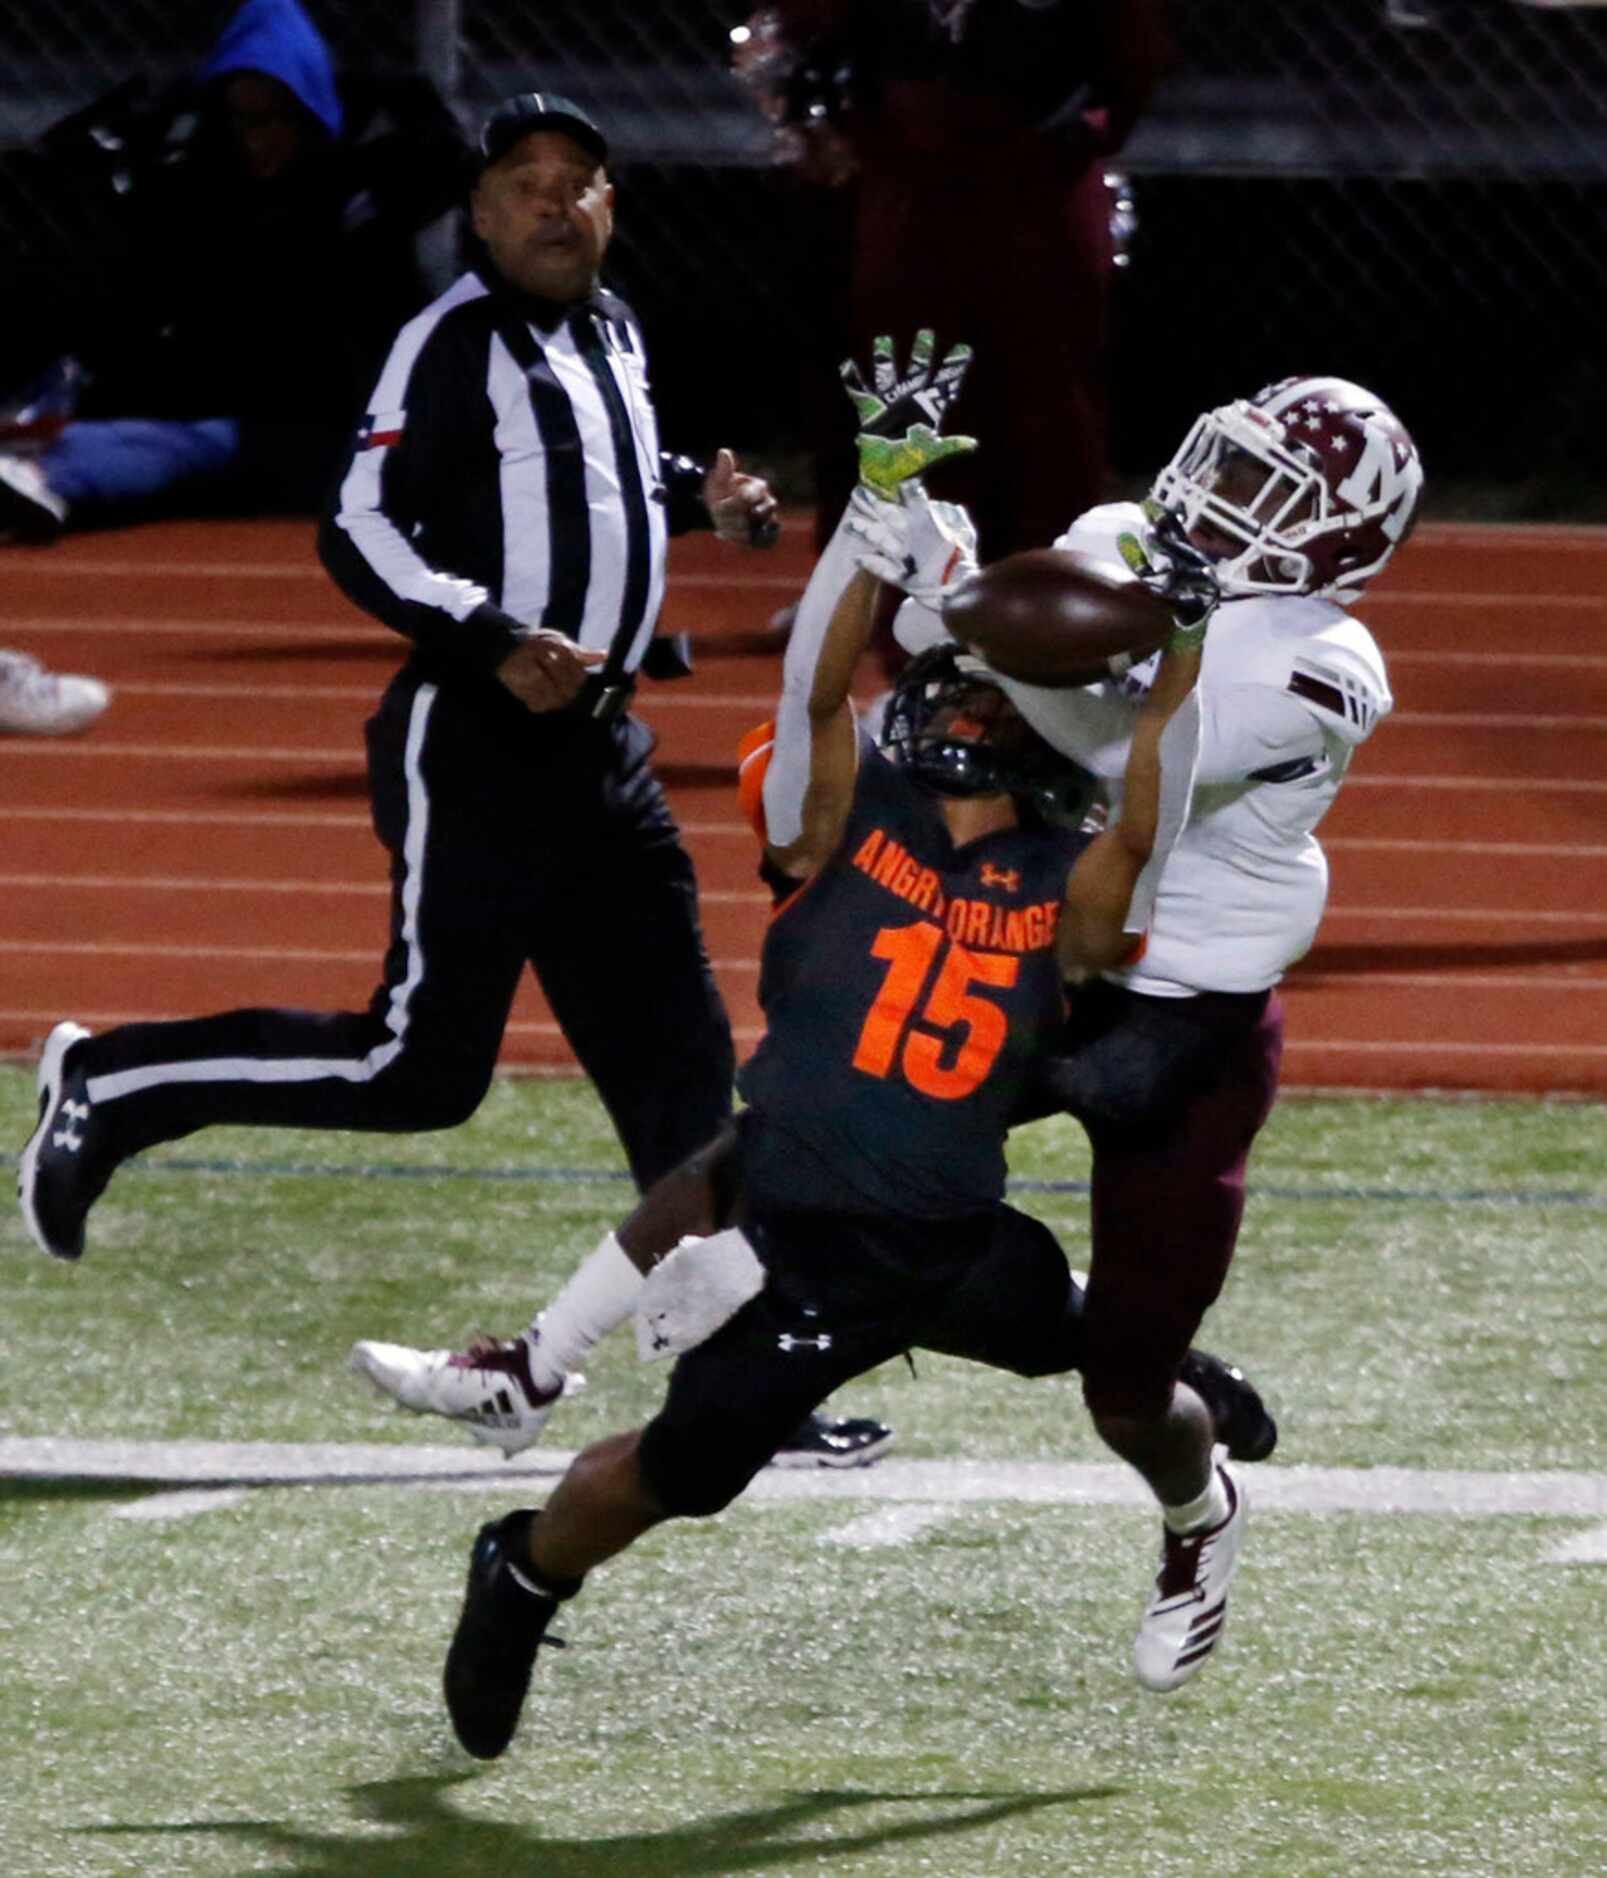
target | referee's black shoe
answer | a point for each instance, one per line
(1244, 1424)
(501, 1626)
(64, 1168)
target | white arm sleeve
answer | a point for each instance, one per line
(1179, 757)
(786, 781)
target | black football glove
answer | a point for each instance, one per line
(901, 414)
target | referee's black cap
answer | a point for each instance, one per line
(516, 117)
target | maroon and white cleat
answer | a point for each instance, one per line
(487, 1388)
(1183, 1622)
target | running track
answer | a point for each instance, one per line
(206, 844)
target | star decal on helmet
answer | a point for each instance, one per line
(1340, 492)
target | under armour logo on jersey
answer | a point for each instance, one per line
(64, 1137)
(788, 1342)
(1005, 877)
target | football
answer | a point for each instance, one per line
(1056, 617)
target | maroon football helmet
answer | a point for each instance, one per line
(1308, 487)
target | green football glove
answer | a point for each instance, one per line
(1166, 562)
(900, 416)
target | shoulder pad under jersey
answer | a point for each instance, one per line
(1339, 674)
(1308, 648)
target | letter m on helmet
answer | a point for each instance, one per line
(1385, 481)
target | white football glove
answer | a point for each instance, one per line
(926, 548)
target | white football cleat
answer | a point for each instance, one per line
(1183, 1622)
(487, 1388)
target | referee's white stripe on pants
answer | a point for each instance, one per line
(127, 1082)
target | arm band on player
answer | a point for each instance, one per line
(1179, 757)
(786, 782)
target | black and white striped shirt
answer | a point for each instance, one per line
(509, 475)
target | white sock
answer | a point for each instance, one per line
(1209, 1509)
(600, 1294)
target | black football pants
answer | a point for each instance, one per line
(557, 850)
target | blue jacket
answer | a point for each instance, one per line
(276, 38)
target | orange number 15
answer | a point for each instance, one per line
(909, 951)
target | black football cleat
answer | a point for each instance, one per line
(64, 1168)
(1244, 1425)
(821, 1442)
(493, 1650)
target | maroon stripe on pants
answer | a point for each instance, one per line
(1166, 1213)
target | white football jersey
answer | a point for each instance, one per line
(1289, 685)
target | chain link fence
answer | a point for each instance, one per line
(1412, 193)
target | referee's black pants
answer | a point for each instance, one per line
(542, 840)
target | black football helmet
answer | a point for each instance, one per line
(951, 726)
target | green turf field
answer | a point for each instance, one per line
(253, 1688)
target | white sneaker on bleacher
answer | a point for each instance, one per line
(37, 703)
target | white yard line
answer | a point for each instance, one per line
(1460, 1493)
(888, 1525)
(185, 1503)
(1585, 1548)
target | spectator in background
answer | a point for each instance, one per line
(968, 141)
(259, 224)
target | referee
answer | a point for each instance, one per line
(506, 508)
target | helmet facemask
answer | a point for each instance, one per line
(952, 728)
(1309, 488)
